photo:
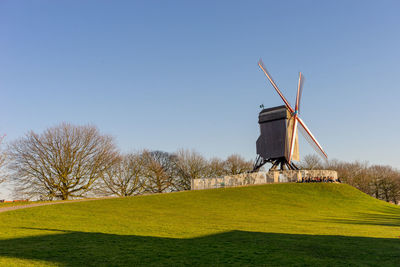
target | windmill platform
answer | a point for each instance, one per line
(269, 177)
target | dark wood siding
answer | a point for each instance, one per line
(271, 143)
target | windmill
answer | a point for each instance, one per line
(278, 141)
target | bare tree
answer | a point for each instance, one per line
(393, 187)
(311, 162)
(62, 162)
(377, 176)
(215, 168)
(159, 171)
(124, 178)
(356, 174)
(189, 165)
(385, 183)
(3, 161)
(235, 164)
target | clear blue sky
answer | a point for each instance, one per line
(183, 74)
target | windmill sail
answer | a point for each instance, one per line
(311, 139)
(293, 135)
(292, 146)
(299, 91)
(261, 65)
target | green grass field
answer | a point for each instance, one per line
(277, 224)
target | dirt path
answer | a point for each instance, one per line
(4, 209)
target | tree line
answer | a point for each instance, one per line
(69, 161)
(379, 181)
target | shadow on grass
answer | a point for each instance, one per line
(386, 216)
(229, 248)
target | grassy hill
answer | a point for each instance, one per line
(277, 224)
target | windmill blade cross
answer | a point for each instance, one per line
(261, 65)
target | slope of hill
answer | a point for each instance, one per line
(277, 224)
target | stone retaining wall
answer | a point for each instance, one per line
(262, 178)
